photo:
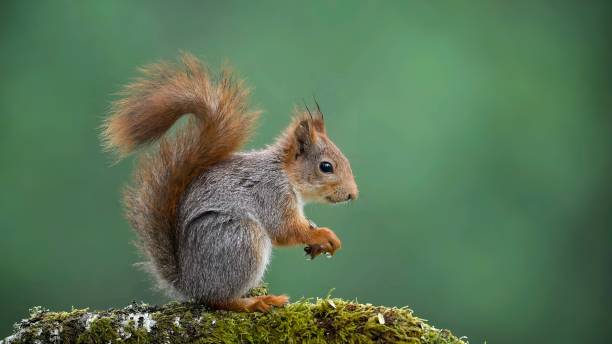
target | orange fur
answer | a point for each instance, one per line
(298, 231)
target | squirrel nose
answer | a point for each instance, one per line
(352, 191)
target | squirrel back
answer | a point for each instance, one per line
(150, 106)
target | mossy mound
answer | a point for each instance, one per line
(326, 320)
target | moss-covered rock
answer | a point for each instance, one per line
(326, 320)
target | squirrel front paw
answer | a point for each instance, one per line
(322, 240)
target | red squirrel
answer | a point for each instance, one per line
(207, 215)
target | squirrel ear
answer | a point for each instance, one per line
(304, 136)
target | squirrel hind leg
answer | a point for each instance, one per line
(261, 304)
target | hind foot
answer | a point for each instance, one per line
(253, 304)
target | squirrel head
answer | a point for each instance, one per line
(316, 168)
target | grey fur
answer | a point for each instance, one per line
(227, 220)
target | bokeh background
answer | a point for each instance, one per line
(479, 133)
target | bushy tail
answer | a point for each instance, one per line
(220, 124)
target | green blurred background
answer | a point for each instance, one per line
(479, 133)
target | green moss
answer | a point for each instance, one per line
(313, 321)
(101, 331)
(259, 291)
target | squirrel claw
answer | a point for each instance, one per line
(311, 252)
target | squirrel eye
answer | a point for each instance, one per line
(326, 167)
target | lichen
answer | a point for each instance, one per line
(328, 320)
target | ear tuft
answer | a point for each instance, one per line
(318, 123)
(315, 119)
